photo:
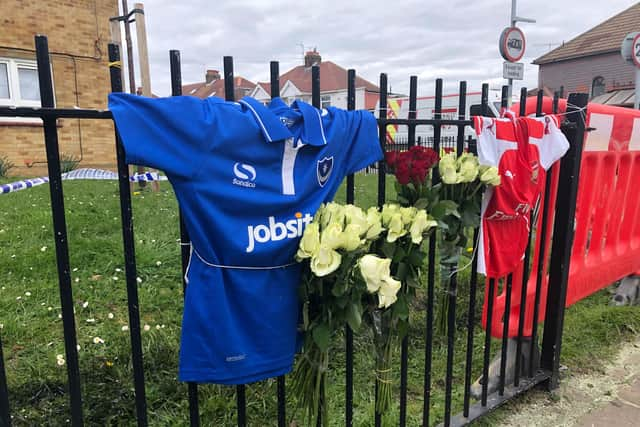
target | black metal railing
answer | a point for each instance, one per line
(562, 219)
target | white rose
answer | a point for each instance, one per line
(374, 223)
(373, 269)
(420, 224)
(325, 262)
(355, 215)
(396, 228)
(351, 237)
(310, 242)
(387, 294)
(332, 237)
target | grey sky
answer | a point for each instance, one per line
(455, 39)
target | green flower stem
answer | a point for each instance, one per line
(384, 375)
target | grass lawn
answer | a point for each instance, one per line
(31, 328)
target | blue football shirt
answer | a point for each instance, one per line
(248, 178)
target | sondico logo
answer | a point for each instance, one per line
(246, 174)
(274, 231)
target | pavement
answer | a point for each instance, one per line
(608, 398)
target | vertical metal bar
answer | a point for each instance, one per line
(413, 113)
(462, 111)
(504, 99)
(5, 414)
(541, 258)
(315, 86)
(505, 334)
(229, 95)
(275, 79)
(282, 400)
(470, 324)
(539, 104)
(563, 233)
(487, 342)
(556, 100)
(404, 351)
(431, 273)
(229, 91)
(60, 229)
(484, 100)
(561, 92)
(351, 105)
(185, 241)
(129, 252)
(382, 132)
(525, 273)
(451, 329)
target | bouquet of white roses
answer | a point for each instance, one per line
(458, 208)
(330, 248)
(392, 273)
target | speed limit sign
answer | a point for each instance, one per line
(635, 47)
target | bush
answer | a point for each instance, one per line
(68, 162)
(5, 166)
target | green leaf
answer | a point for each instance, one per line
(399, 254)
(402, 200)
(403, 270)
(388, 249)
(417, 259)
(444, 208)
(421, 203)
(400, 308)
(354, 315)
(305, 315)
(412, 281)
(321, 336)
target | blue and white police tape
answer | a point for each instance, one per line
(86, 173)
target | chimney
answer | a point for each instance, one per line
(311, 58)
(211, 76)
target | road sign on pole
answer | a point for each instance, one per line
(630, 51)
(513, 70)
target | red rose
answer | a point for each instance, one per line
(391, 158)
(403, 173)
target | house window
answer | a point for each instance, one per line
(19, 83)
(597, 87)
(325, 101)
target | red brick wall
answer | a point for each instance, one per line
(577, 75)
(78, 29)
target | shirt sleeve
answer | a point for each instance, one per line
(363, 147)
(553, 144)
(170, 134)
(488, 150)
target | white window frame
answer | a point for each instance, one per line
(15, 99)
(325, 101)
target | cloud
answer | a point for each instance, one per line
(453, 40)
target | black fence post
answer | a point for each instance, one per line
(5, 414)
(130, 269)
(185, 241)
(60, 229)
(563, 233)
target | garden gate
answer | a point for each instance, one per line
(542, 371)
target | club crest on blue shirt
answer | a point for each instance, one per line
(325, 166)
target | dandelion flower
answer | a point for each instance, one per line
(147, 327)
(110, 315)
(98, 340)
(108, 363)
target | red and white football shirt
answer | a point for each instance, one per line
(522, 149)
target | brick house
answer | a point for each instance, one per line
(213, 85)
(592, 63)
(296, 84)
(78, 35)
